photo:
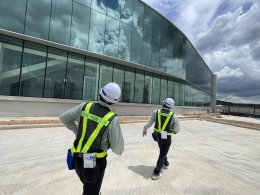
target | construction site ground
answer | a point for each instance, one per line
(205, 158)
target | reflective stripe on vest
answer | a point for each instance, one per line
(160, 128)
(101, 122)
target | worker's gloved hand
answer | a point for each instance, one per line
(144, 133)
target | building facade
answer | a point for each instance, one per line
(68, 49)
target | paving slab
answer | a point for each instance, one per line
(205, 158)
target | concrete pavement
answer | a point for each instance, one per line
(205, 158)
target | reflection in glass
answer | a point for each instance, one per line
(177, 93)
(147, 50)
(139, 86)
(182, 90)
(164, 90)
(118, 77)
(163, 56)
(90, 87)
(148, 84)
(106, 73)
(74, 81)
(156, 90)
(12, 15)
(136, 49)
(99, 5)
(127, 11)
(33, 70)
(124, 41)
(111, 37)
(60, 21)
(113, 8)
(138, 14)
(156, 23)
(170, 89)
(80, 26)
(84, 2)
(55, 73)
(128, 95)
(148, 15)
(96, 33)
(155, 63)
(38, 18)
(10, 62)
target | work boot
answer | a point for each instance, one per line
(155, 177)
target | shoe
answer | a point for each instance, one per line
(155, 177)
(165, 166)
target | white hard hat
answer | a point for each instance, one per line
(111, 92)
(169, 102)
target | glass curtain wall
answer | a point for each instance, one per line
(34, 70)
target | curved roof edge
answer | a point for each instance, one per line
(177, 29)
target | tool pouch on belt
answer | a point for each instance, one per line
(70, 160)
(155, 136)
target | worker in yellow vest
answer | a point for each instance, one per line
(166, 124)
(96, 129)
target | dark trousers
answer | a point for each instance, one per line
(91, 178)
(164, 145)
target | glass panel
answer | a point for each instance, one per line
(60, 21)
(55, 73)
(170, 89)
(113, 8)
(147, 50)
(164, 90)
(118, 77)
(99, 5)
(90, 87)
(156, 90)
(80, 26)
(139, 87)
(156, 23)
(178, 55)
(96, 33)
(163, 29)
(138, 15)
(125, 41)
(163, 56)
(136, 49)
(182, 90)
(38, 18)
(177, 93)
(148, 15)
(111, 37)
(84, 2)
(33, 70)
(10, 62)
(106, 73)
(127, 11)
(148, 88)
(12, 14)
(155, 53)
(170, 36)
(128, 95)
(74, 81)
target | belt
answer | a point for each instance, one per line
(98, 154)
(168, 133)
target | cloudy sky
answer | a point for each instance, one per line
(227, 35)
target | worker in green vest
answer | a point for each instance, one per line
(166, 124)
(96, 129)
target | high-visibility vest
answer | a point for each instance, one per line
(163, 121)
(94, 121)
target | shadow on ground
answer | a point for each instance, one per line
(145, 171)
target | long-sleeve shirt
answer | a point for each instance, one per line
(112, 137)
(175, 125)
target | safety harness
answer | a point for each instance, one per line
(159, 126)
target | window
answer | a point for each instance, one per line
(139, 86)
(91, 75)
(38, 18)
(164, 90)
(156, 90)
(55, 73)
(113, 8)
(138, 14)
(127, 11)
(99, 5)
(148, 84)
(129, 85)
(147, 50)
(125, 41)
(33, 70)
(106, 73)
(74, 81)
(80, 26)
(155, 63)
(136, 49)
(60, 21)
(118, 77)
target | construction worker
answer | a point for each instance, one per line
(166, 123)
(96, 129)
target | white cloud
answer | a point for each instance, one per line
(227, 73)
